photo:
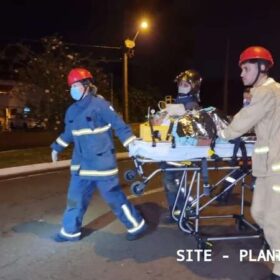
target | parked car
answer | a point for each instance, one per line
(20, 122)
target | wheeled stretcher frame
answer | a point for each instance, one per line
(190, 216)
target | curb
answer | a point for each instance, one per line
(48, 166)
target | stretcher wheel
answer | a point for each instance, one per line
(137, 188)
(129, 175)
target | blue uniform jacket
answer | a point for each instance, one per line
(88, 125)
(190, 102)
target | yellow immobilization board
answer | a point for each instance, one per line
(160, 132)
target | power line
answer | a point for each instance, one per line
(77, 45)
(92, 46)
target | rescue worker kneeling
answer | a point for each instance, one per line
(88, 125)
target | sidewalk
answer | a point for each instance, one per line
(49, 166)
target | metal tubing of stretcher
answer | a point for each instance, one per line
(194, 229)
(232, 237)
(217, 238)
(230, 217)
(147, 160)
(216, 216)
(182, 181)
(222, 179)
(197, 203)
(250, 225)
(148, 178)
(198, 168)
(183, 213)
(215, 197)
(138, 167)
(242, 196)
(225, 190)
(188, 227)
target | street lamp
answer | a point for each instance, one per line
(128, 52)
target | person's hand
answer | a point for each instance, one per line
(220, 134)
(54, 156)
(131, 145)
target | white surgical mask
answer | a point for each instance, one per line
(184, 90)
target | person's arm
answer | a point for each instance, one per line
(261, 103)
(64, 139)
(121, 129)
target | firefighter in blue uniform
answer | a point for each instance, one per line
(88, 126)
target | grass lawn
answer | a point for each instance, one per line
(21, 157)
(19, 148)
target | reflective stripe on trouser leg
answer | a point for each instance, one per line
(271, 216)
(78, 197)
(119, 204)
(136, 226)
(69, 235)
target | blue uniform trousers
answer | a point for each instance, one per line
(80, 194)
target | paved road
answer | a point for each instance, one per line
(31, 208)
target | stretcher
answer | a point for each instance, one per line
(198, 193)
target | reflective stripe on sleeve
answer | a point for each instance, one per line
(129, 140)
(98, 173)
(61, 142)
(261, 150)
(74, 167)
(275, 167)
(88, 131)
(276, 188)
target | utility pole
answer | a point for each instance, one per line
(225, 99)
(128, 52)
(125, 86)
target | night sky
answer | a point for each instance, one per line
(183, 34)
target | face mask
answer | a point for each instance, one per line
(76, 94)
(184, 90)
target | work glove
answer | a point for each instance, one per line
(54, 156)
(220, 133)
(131, 146)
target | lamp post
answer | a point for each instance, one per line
(128, 52)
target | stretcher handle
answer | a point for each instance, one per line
(205, 176)
(151, 128)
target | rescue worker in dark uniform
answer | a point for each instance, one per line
(188, 84)
(262, 114)
(88, 126)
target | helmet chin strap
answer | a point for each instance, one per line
(83, 95)
(258, 75)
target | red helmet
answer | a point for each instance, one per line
(78, 74)
(256, 52)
